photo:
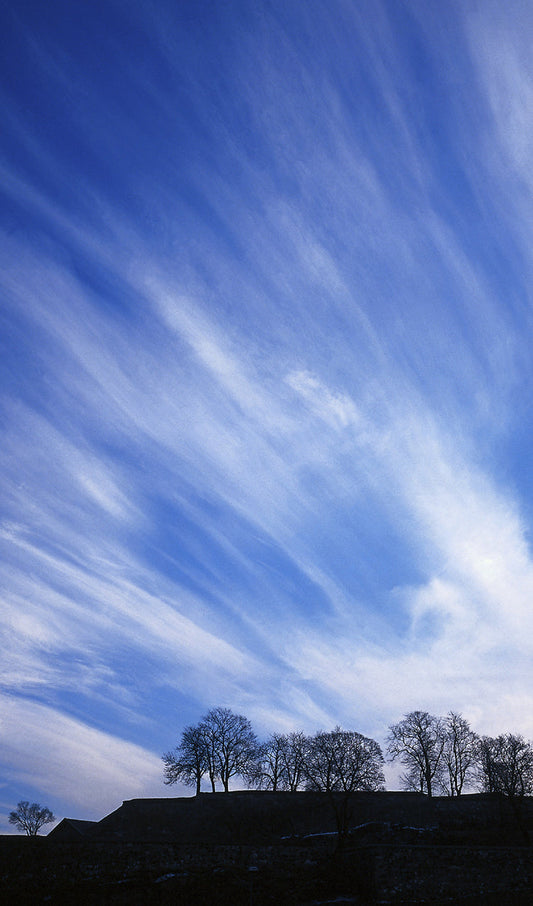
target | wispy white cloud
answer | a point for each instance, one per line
(397, 444)
(337, 410)
(471, 621)
(499, 44)
(71, 763)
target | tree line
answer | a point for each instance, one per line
(439, 755)
(223, 744)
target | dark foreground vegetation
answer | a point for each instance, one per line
(260, 847)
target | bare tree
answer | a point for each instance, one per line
(418, 743)
(294, 755)
(487, 764)
(507, 765)
(30, 818)
(188, 762)
(269, 772)
(340, 763)
(345, 761)
(232, 746)
(460, 754)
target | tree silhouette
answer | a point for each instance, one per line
(221, 745)
(188, 762)
(506, 767)
(418, 742)
(30, 818)
(460, 754)
(340, 763)
(232, 745)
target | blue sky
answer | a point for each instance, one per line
(266, 376)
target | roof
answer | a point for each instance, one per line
(71, 829)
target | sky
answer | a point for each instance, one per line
(266, 377)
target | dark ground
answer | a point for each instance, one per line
(253, 849)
